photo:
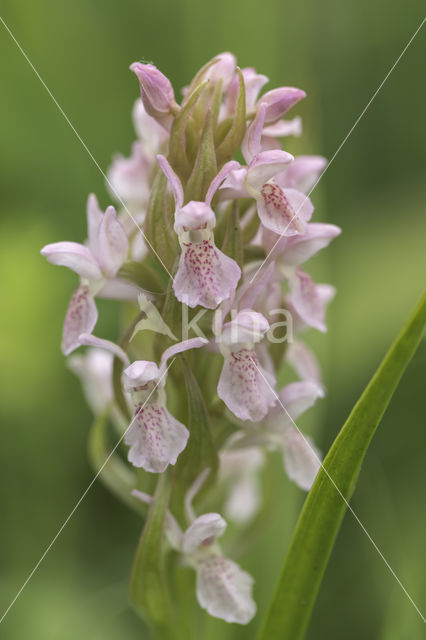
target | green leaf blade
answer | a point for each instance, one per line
(325, 506)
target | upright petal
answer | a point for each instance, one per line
(113, 244)
(244, 386)
(302, 459)
(74, 256)
(303, 173)
(94, 219)
(156, 92)
(155, 438)
(225, 590)
(81, 317)
(264, 166)
(205, 275)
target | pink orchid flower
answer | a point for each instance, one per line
(97, 264)
(155, 437)
(205, 275)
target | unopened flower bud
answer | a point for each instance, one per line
(279, 101)
(156, 91)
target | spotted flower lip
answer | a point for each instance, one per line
(223, 589)
(205, 275)
(244, 385)
(155, 437)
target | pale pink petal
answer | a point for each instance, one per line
(279, 101)
(303, 361)
(94, 368)
(113, 244)
(295, 250)
(203, 532)
(249, 292)
(152, 135)
(284, 128)
(309, 299)
(234, 186)
(303, 173)
(117, 289)
(128, 178)
(302, 459)
(156, 92)
(244, 499)
(222, 69)
(155, 438)
(140, 373)
(243, 386)
(94, 219)
(89, 340)
(266, 165)
(205, 275)
(173, 179)
(74, 256)
(298, 397)
(284, 212)
(251, 146)
(81, 317)
(225, 590)
(227, 168)
(180, 347)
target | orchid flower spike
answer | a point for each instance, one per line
(155, 437)
(244, 385)
(97, 264)
(205, 275)
(223, 589)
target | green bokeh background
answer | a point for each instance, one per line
(339, 52)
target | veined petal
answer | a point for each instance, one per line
(266, 165)
(74, 256)
(81, 317)
(309, 299)
(225, 590)
(244, 386)
(295, 250)
(203, 532)
(155, 438)
(285, 212)
(113, 244)
(205, 275)
(302, 459)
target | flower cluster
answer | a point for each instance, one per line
(207, 243)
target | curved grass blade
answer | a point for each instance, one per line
(325, 506)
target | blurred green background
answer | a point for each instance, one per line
(339, 52)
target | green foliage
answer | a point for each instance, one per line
(326, 503)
